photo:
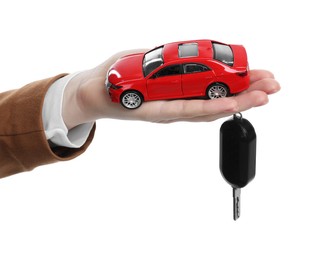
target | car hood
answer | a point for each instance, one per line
(126, 68)
(240, 56)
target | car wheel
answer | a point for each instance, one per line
(131, 99)
(217, 90)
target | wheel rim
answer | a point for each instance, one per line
(131, 100)
(217, 91)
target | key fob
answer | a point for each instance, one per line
(238, 151)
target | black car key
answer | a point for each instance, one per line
(237, 155)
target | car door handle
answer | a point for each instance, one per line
(174, 81)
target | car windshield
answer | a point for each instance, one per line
(223, 53)
(152, 60)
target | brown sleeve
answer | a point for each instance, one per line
(23, 145)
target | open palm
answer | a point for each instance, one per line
(86, 100)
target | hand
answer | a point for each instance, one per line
(86, 100)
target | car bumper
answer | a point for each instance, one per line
(115, 95)
(239, 85)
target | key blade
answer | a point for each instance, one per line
(236, 192)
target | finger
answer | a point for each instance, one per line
(243, 103)
(267, 85)
(106, 64)
(251, 99)
(186, 110)
(256, 75)
(207, 118)
(208, 110)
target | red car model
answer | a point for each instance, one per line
(199, 68)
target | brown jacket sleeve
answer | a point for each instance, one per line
(23, 145)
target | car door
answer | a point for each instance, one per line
(196, 78)
(165, 83)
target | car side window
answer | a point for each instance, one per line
(194, 68)
(168, 71)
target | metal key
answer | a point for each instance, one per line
(237, 156)
(236, 192)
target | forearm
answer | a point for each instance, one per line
(23, 143)
(82, 99)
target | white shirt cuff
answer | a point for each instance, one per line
(55, 129)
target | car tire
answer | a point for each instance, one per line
(131, 99)
(217, 90)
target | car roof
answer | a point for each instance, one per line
(170, 50)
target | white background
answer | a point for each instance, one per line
(149, 191)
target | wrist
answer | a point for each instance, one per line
(85, 99)
(71, 107)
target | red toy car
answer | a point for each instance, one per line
(199, 68)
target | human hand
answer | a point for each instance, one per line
(86, 100)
